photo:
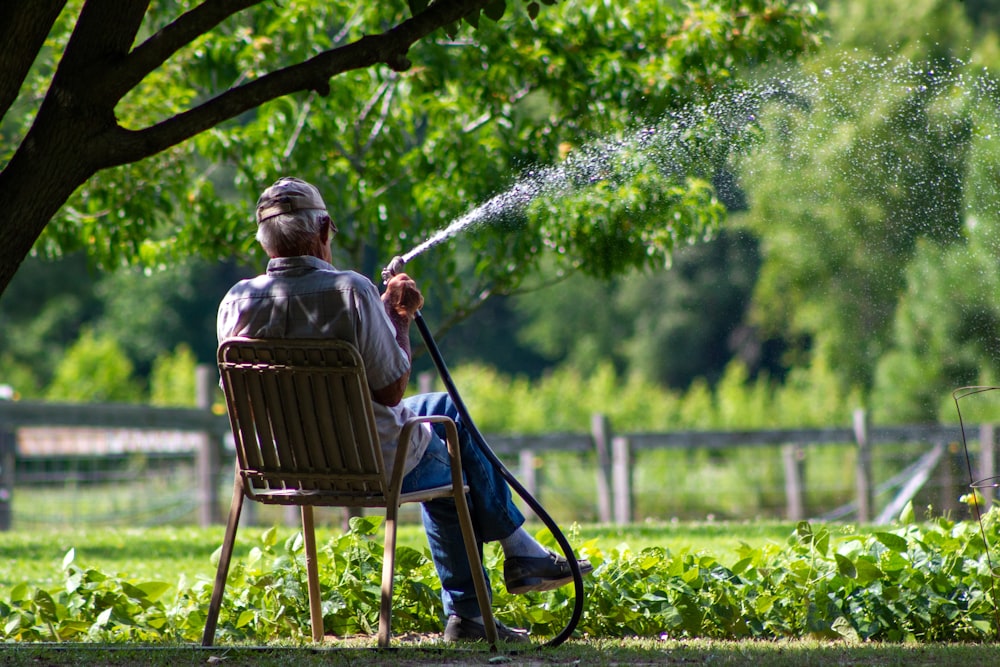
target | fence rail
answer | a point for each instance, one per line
(615, 452)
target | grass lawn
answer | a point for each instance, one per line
(597, 653)
(167, 553)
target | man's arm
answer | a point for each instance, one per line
(402, 299)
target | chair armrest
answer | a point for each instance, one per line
(403, 446)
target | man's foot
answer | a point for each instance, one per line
(463, 629)
(523, 574)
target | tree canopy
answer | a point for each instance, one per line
(89, 86)
(144, 130)
(875, 202)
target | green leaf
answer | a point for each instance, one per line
(893, 541)
(68, 558)
(845, 566)
(102, 618)
(19, 593)
(216, 555)
(366, 525)
(822, 541)
(12, 625)
(843, 627)
(74, 581)
(804, 532)
(867, 570)
(45, 604)
(984, 626)
(154, 590)
(741, 565)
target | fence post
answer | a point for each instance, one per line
(793, 456)
(600, 430)
(621, 457)
(528, 471)
(948, 475)
(209, 455)
(863, 472)
(987, 462)
(8, 452)
(425, 382)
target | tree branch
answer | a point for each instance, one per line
(389, 47)
(24, 25)
(102, 36)
(300, 123)
(155, 51)
(382, 116)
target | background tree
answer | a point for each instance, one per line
(390, 148)
(95, 370)
(668, 327)
(871, 159)
(401, 153)
(946, 329)
(92, 86)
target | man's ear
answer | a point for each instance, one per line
(324, 230)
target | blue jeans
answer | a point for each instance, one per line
(494, 515)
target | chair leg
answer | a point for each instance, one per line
(312, 574)
(469, 534)
(388, 570)
(225, 556)
(476, 565)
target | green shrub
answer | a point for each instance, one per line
(94, 370)
(172, 380)
(918, 582)
(565, 400)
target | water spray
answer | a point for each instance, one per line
(394, 267)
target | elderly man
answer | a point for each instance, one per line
(303, 296)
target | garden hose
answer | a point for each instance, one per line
(536, 507)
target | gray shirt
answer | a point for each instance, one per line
(305, 297)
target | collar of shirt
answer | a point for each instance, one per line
(283, 266)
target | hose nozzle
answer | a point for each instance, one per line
(392, 268)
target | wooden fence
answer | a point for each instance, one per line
(615, 453)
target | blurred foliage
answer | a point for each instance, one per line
(94, 370)
(868, 194)
(173, 379)
(506, 404)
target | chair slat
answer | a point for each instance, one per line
(240, 414)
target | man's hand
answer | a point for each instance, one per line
(402, 296)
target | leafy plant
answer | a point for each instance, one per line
(918, 582)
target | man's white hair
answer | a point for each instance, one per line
(291, 234)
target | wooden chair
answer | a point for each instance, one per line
(302, 418)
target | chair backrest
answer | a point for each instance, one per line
(303, 423)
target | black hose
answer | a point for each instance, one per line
(536, 507)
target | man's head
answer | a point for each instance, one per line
(292, 220)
